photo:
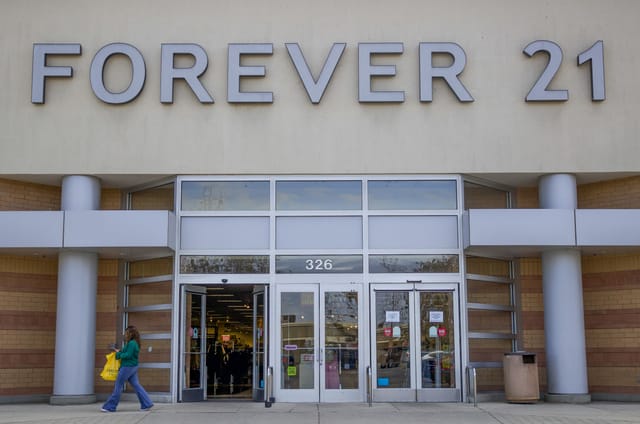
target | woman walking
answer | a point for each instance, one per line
(128, 372)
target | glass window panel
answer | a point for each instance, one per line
(318, 264)
(488, 293)
(437, 354)
(413, 263)
(259, 350)
(193, 341)
(319, 195)
(298, 340)
(488, 350)
(157, 198)
(413, 232)
(341, 340)
(412, 195)
(150, 322)
(203, 264)
(225, 195)
(488, 266)
(155, 380)
(155, 350)
(149, 294)
(488, 321)
(392, 340)
(482, 197)
(151, 267)
(224, 232)
(319, 232)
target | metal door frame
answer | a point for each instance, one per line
(259, 390)
(199, 394)
(415, 393)
(319, 393)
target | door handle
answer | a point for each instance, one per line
(321, 357)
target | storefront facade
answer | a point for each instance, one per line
(343, 262)
(339, 202)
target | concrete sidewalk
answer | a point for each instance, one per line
(352, 413)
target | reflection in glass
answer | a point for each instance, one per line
(298, 341)
(201, 264)
(412, 195)
(225, 196)
(477, 196)
(392, 340)
(341, 340)
(489, 321)
(488, 266)
(318, 195)
(192, 342)
(489, 350)
(489, 292)
(258, 341)
(319, 264)
(437, 337)
(413, 263)
(151, 199)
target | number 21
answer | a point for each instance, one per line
(540, 92)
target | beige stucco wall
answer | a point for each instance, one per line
(74, 132)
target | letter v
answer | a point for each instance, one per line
(315, 88)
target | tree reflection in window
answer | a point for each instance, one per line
(413, 263)
(191, 264)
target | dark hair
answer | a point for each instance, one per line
(131, 333)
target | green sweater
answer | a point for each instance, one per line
(129, 354)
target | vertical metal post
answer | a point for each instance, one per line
(369, 386)
(473, 386)
(269, 399)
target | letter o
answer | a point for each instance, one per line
(137, 78)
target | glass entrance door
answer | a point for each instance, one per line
(259, 359)
(319, 336)
(193, 342)
(415, 352)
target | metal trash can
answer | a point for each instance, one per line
(521, 377)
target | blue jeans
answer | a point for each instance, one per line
(129, 374)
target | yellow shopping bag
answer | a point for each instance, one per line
(110, 370)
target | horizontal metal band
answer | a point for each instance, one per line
(489, 307)
(148, 280)
(148, 308)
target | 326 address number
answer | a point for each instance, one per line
(318, 264)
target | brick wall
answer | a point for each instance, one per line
(27, 324)
(616, 194)
(28, 301)
(20, 196)
(613, 194)
(106, 318)
(611, 294)
(611, 287)
(532, 314)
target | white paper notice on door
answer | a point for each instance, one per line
(392, 316)
(436, 316)
(396, 331)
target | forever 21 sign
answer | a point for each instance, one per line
(315, 87)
